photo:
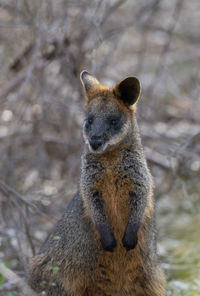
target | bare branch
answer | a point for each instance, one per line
(16, 280)
(161, 62)
(12, 86)
(10, 192)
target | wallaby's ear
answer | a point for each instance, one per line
(88, 80)
(128, 90)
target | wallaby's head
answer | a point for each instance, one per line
(109, 112)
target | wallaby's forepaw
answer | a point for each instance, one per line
(108, 240)
(130, 238)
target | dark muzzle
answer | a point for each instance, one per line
(96, 142)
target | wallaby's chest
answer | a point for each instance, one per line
(115, 189)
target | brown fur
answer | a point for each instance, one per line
(106, 92)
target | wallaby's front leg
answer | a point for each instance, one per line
(95, 204)
(138, 199)
(93, 201)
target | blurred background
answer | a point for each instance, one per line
(44, 45)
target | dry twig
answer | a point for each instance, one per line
(16, 280)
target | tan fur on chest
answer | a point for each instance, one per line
(115, 189)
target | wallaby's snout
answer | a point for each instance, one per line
(96, 142)
(96, 134)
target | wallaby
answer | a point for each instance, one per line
(105, 243)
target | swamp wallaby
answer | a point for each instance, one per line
(105, 243)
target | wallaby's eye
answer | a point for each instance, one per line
(89, 121)
(114, 121)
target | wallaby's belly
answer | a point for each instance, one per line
(119, 273)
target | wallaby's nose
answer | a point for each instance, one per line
(96, 142)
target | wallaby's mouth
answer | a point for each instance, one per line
(96, 145)
(96, 142)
